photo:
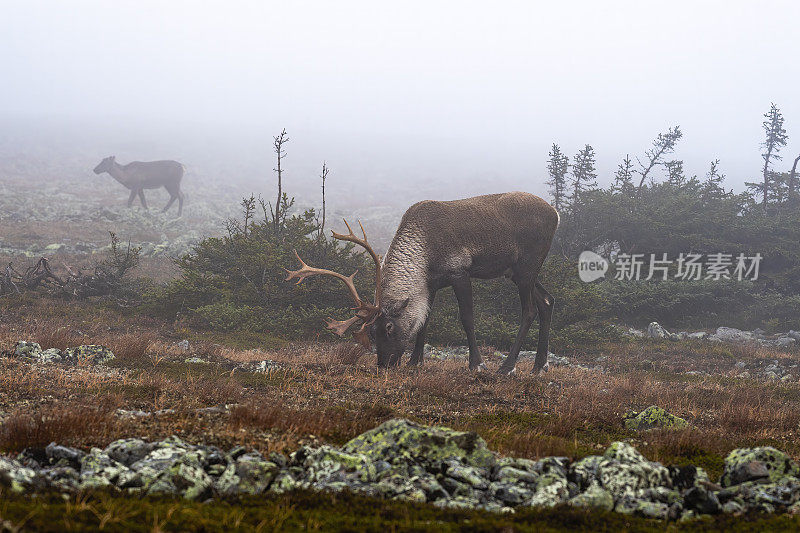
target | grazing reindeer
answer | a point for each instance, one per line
(140, 175)
(441, 244)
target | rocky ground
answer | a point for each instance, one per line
(405, 461)
(72, 216)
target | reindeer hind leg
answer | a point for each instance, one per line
(528, 315)
(544, 304)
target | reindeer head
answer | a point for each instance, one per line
(105, 165)
(366, 313)
(392, 331)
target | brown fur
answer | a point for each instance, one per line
(441, 244)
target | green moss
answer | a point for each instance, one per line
(303, 511)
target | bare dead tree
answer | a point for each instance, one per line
(34, 276)
(7, 285)
(103, 279)
(280, 153)
(323, 177)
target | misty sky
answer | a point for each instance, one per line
(479, 89)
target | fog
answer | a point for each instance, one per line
(408, 99)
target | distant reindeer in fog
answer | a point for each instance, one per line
(140, 175)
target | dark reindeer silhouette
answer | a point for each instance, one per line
(140, 175)
(445, 244)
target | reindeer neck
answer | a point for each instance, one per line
(405, 269)
(118, 173)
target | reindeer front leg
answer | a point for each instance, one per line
(131, 198)
(419, 347)
(463, 289)
(141, 197)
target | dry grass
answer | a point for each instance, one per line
(73, 425)
(332, 392)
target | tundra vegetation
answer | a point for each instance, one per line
(225, 354)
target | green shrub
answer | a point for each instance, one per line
(236, 282)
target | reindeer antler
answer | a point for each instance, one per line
(366, 312)
(351, 237)
(306, 271)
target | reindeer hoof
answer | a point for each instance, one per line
(504, 370)
(545, 368)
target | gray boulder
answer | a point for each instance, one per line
(129, 451)
(15, 477)
(657, 331)
(746, 464)
(654, 417)
(732, 335)
(94, 354)
(402, 439)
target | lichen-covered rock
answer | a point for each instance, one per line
(777, 464)
(401, 439)
(261, 367)
(400, 460)
(763, 497)
(510, 474)
(509, 494)
(639, 507)
(94, 354)
(551, 489)
(654, 417)
(184, 477)
(324, 463)
(254, 473)
(625, 472)
(165, 455)
(63, 478)
(63, 456)
(467, 474)
(585, 472)
(98, 471)
(129, 451)
(595, 496)
(33, 353)
(27, 350)
(285, 482)
(17, 478)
